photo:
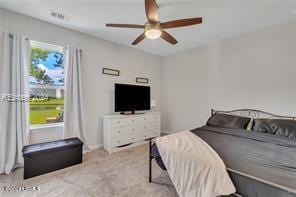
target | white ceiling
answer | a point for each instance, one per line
(222, 18)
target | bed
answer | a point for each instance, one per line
(259, 164)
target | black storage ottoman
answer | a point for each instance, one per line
(50, 156)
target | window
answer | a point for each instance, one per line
(46, 82)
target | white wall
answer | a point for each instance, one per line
(254, 70)
(97, 53)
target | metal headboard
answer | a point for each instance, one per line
(253, 113)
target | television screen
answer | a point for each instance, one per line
(131, 97)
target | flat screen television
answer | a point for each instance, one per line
(131, 98)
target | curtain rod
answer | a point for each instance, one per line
(11, 36)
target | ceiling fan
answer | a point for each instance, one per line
(153, 28)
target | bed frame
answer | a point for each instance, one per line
(246, 185)
(253, 113)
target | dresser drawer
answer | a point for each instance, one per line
(122, 131)
(142, 128)
(127, 121)
(119, 122)
(119, 141)
(130, 129)
(150, 118)
(138, 120)
(148, 126)
(134, 120)
(154, 118)
(134, 138)
(154, 126)
(143, 136)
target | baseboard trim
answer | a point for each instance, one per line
(94, 147)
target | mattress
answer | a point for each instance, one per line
(263, 161)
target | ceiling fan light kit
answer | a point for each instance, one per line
(154, 29)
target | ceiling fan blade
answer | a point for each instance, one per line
(151, 11)
(125, 25)
(139, 39)
(168, 37)
(181, 23)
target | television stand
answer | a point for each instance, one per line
(123, 132)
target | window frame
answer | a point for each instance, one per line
(51, 47)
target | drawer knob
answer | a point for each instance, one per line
(133, 138)
(118, 141)
(133, 120)
(133, 129)
(144, 118)
(144, 135)
(118, 131)
(144, 127)
(118, 122)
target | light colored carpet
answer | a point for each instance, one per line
(124, 173)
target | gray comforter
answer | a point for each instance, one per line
(269, 157)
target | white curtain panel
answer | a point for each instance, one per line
(14, 115)
(74, 115)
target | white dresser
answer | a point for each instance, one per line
(120, 130)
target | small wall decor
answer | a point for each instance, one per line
(142, 80)
(109, 71)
